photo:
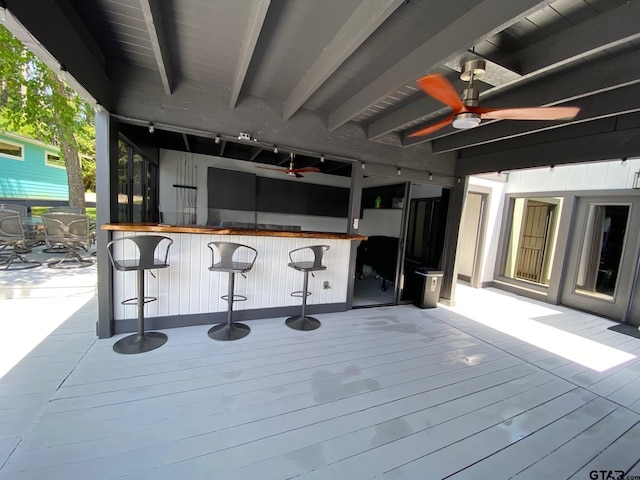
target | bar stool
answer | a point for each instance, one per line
(225, 253)
(151, 253)
(299, 262)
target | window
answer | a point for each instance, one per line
(11, 150)
(602, 249)
(532, 239)
(137, 185)
(53, 160)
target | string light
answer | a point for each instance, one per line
(623, 162)
(363, 165)
(275, 149)
(151, 127)
(217, 139)
(399, 171)
(430, 176)
(552, 168)
(322, 158)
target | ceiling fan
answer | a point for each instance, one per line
(467, 113)
(292, 172)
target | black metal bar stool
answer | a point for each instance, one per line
(225, 254)
(152, 251)
(301, 261)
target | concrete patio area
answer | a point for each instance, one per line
(498, 386)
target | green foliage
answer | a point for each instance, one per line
(34, 102)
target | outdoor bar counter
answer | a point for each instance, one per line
(189, 294)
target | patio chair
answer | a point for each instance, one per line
(21, 209)
(12, 235)
(71, 231)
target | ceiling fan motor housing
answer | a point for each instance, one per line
(470, 98)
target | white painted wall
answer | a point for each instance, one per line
(170, 161)
(381, 221)
(610, 175)
(188, 287)
(494, 219)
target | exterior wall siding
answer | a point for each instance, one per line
(31, 177)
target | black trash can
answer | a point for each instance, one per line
(427, 288)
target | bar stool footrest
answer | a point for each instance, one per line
(225, 332)
(140, 343)
(298, 322)
(236, 298)
(134, 300)
(299, 294)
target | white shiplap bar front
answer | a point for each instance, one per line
(189, 294)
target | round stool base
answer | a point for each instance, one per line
(140, 343)
(302, 323)
(225, 332)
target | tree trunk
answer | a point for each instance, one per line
(74, 174)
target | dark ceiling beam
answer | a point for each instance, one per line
(254, 26)
(605, 31)
(153, 20)
(364, 20)
(605, 139)
(190, 107)
(68, 42)
(255, 151)
(578, 88)
(479, 23)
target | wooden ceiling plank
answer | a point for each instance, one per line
(488, 18)
(153, 20)
(365, 19)
(254, 26)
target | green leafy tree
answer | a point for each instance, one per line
(35, 102)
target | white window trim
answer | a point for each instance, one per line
(46, 160)
(13, 157)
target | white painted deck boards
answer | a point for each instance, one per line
(388, 392)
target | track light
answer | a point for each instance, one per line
(322, 158)
(151, 127)
(430, 176)
(217, 139)
(399, 171)
(275, 149)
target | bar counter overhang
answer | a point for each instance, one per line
(189, 294)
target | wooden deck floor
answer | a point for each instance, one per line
(389, 392)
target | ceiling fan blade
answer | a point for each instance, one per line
(438, 87)
(432, 128)
(273, 168)
(306, 169)
(533, 113)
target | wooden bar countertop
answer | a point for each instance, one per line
(213, 230)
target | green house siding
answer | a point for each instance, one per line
(30, 177)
